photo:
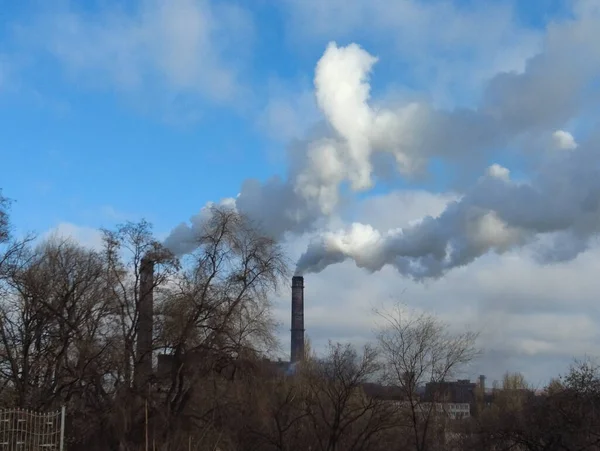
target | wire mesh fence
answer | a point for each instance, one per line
(25, 430)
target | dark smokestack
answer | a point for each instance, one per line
(143, 369)
(297, 346)
(482, 383)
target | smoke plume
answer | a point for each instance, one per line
(497, 213)
(562, 201)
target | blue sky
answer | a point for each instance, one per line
(121, 110)
(76, 149)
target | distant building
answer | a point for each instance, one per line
(460, 391)
(383, 392)
(458, 405)
(192, 361)
(451, 410)
(457, 410)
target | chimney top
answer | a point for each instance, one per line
(147, 260)
(298, 281)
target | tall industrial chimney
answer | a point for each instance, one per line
(143, 368)
(297, 345)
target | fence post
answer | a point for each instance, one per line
(63, 411)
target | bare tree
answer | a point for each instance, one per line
(562, 417)
(218, 311)
(271, 411)
(50, 323)
(54, 342)
(12, 251)
(514, 393)
(418, 348)
(4, 222)
(124, 250)
(69, 319)
(340, 414)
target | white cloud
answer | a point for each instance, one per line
(449, 49)
(499, 172)
(86, 236)
(181, 47)
(109, 212)
(563, 140)
(290, 111)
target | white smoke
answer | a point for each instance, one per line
(318, 166)
(562, 201)
(184, 238)
(497, 213)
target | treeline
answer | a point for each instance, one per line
(69, 318)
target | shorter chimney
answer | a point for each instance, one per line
(143, 368)
(482, 383)
(297, 336)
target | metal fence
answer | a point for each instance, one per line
(24, 430)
